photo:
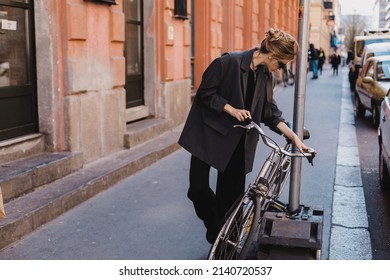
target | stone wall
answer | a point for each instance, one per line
(81, 74)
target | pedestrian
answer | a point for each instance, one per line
(335, 61)
(321, 60)
(313, 59)
(235, 87)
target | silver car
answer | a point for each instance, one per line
(384, 142)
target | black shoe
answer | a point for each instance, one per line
(212, 232)
(211, 235)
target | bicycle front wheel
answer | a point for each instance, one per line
(284, 78)
(290, 81)
(238, 232)
(291, 78)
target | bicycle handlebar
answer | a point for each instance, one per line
(310, 154)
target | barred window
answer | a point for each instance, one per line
(181, 9)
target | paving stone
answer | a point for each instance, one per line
(349, 207)
(349, 244)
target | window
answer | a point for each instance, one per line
(134, 53)
(328, 4)
(18, 94)
(181, 9)
(383, 71)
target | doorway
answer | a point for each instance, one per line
(18, 91)
(134, 54)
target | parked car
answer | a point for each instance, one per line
(375, 49)
(355, 53)
(384, 142)
(372, 86)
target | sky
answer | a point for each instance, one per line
(361, 7)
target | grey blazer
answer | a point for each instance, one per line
(208, 133)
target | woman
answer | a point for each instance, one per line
(235, 87)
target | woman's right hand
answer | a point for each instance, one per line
(240, 114)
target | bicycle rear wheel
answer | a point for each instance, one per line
(238, 232)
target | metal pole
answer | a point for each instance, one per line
(299, 101)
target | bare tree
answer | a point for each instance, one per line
(353, 25)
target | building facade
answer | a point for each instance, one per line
(325, 18)
(75, 73)
(381, 15)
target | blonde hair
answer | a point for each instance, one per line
(281, 44)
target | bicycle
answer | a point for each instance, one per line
(288, 77)
(244, 217)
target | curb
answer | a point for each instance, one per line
(349, 235)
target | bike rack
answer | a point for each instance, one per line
(283, 237)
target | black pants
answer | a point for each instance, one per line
(336, 71)
(209, 206)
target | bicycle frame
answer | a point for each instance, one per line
(275, 171)
(273, 177)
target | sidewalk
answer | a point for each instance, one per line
(148, 216)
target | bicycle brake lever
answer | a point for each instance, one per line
(310, 158)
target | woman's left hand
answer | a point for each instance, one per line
(299, 144)
(287, 132)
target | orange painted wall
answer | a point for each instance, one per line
(219, 26)
(84, 101)
(174, 41)
(231, 25)
(91, 69)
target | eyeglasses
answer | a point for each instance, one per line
(281, 65)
